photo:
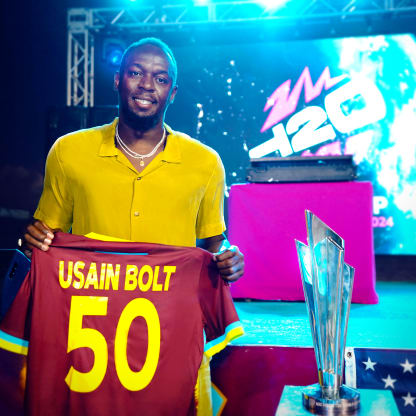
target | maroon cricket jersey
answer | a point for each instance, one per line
(114, 328)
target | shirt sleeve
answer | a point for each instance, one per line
(14, 328)
(210, 221)
(55, 207)
(221, 322)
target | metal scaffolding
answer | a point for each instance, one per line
(84, 24)
(80, 58)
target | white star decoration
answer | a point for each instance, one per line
(408, 400)
(407, 366)
(369, 365)
(389, 382)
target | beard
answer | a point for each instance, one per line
(136, 122)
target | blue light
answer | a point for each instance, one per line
(114, 57)
(113, 50)
(272, 4)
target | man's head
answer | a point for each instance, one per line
(159, 44)
(146, 82)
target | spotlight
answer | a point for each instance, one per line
(113, 51)
(114, 57)
(272, 4)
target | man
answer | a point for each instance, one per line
(136, 179)
(129, 181)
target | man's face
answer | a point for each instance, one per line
(145, 86)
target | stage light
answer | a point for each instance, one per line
(272, 4)
(114, 57)
(113, 51)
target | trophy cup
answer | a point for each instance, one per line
(327, 284)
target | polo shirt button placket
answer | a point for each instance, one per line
(136, 214)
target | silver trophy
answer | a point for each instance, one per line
(327, 284)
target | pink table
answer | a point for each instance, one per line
(265, 219)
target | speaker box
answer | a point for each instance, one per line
(14, 266)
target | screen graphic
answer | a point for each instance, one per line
(312, 97)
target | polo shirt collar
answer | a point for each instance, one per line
(171, 153)
(108, 147)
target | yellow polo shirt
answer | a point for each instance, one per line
(92, 187)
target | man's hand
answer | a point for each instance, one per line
(39, 235)
(229, 259)
(230, 263)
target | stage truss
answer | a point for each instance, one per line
(85, 23)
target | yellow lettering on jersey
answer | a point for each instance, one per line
(157, 287)
(137, 380)
(65, 283)
(80, 337)
(130, 282)
(145, 286)
(102, 275)
(92, 277)
(169, 270)
(146, 278)
(112, 277)
(78, 266)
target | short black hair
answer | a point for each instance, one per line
(159, 44)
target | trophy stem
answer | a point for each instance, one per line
(330, 393)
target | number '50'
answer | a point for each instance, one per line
(79, 337)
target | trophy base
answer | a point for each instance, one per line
(347, 404)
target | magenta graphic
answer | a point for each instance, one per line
(285, 102)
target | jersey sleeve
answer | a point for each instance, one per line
(210, 221)
(14, 328)
(55, 207)
(221, 322)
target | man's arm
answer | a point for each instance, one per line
(229, 259)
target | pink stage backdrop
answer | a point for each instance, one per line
(265, 219)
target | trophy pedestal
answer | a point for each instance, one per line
(347, 404)
(373, 402)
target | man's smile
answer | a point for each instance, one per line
(145, 102)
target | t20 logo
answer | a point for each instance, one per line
(356, 104)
